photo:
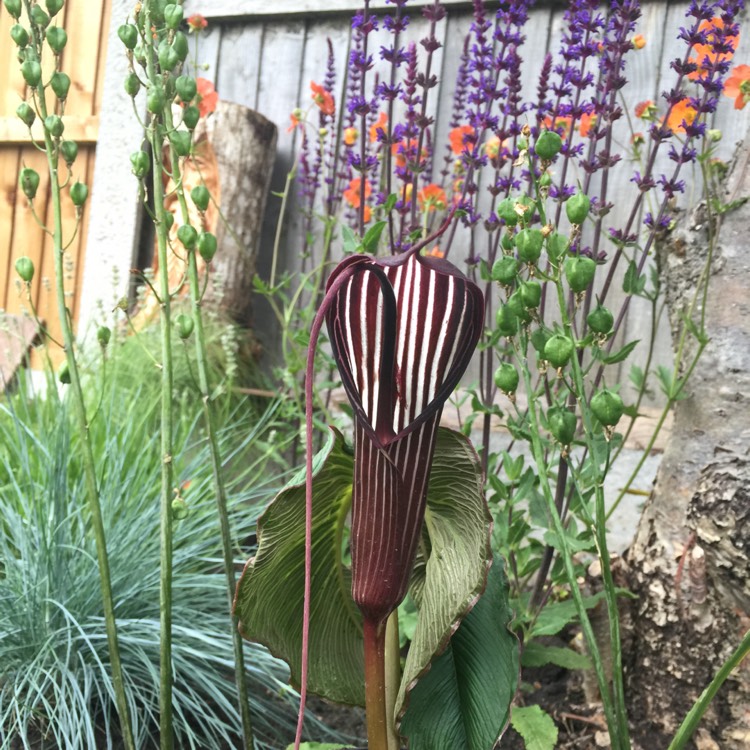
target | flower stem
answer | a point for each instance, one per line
(87, 457)
(392, 658)
(216, 459)
(375, 702)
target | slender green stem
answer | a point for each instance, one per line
(375, 701)
(79, 408)
(691, 721)
(392, 678)
(155, 132)
(216, 459)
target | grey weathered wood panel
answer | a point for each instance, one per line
(265, 54)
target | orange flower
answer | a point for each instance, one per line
(586, 124)
(738, 86)
(457, 138)
(492, 147)
(353, 194)
(379, 125)
(639, 41)
(560, 123)
(350, 136)
(637, 139)
(401, 152)
(681, 111)
(645, 110)
(432, 198)
(207, 97)
(436, 252)
(704, 51)
(296, 120)
(323, 98)
(197, 22)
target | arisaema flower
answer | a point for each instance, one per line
(402, 331)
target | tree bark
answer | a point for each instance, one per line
(690, 561)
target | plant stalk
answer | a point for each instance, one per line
(691, 721)
(375, 698)
(216, 460)
(392, 678)
(89, 463)
(156, 138)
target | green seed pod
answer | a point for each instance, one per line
(128, 34)
(545, 180)
(168, 220)
(39, 17)
(173, 16)
(184, 324)
(557, 245)
(187, 236)
(515, 303)
(180, 46)
(506, 378)
(57, 38)
(54, 6)
(548, 145)
(31, 71)
(558, 350)
(507, 212)
(508, 242)
(132, 84)
(69, 151)
(200, 196)
(103, 335)
(19, 35)
(155, 100)
(529, 244)
(531, 293)
(179, 509)
(506, 321)
(562, 424)
(63, 374)
(168, 58)
(60, 84)
(607, 407)
(25, 268)
(29, 181)
(190, 117)
(26, 114)
(54, 125)
(186, 88)
(207, 246)
(13, 7)
(78, 193)
(140, 162)
(180, 141)
(577, 208)
(600, 320)
(505, 270)
(539, 338)
(579, 271)
(526, 206)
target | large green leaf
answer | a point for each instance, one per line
(270, 592)
(463, 702)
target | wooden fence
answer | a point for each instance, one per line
(264, 55)
(86, 24)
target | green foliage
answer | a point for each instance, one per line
(53, 647)
(535, 726)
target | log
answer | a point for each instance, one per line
(690, 562)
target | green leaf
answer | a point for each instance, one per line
(633, 283)
(537, 655)
(372, 237)
(623, 354)
(464, 700)
(535, 726)
(390, 202)
(319, 746)
(351, 241)
(270, 592)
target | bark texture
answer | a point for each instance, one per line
(690, 561)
